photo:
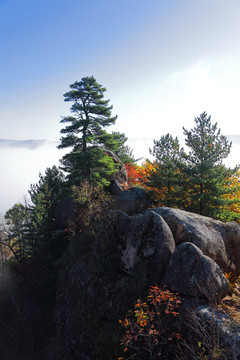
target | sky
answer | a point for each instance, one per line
(163, 62)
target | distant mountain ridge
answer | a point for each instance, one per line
(28, 143)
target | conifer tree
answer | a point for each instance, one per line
(165, 176)
(123, 151)
(85, 133)
(15, 233)
(205, 173)
(45, 196)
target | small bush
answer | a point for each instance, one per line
(151, 327)
(90, 204)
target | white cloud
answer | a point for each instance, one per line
(20, 167)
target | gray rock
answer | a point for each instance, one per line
(133, 201)
(226, 330)
(193, 274)
(145, 242)
(64, 213)
(220, 241)
(114, 269)
(115, 188)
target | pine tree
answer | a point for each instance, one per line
(16, 236)
(45, 196)
(123, 151)
(85, 134)
(165, 176)
(205, 173)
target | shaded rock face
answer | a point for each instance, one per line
(64, 213)
(226, 328)
(220, 241)
(144, 242)
(127, 255)
(194, 274)
(133, 201)
(115, 188)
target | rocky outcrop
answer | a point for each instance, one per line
(128, 254)
(220, 241)
(193, 274)
(133, 201)
(144, 243)
(111, 271)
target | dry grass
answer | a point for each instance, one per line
(231, 303)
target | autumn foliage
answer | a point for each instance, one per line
(179, 192)
(196, 181)
(134, 174)
(150, 327)
(232, 210)
(143, 176)
(139, 175)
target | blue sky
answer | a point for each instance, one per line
(163, 63)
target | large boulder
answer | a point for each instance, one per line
(144, 242)
(223, 327)
(220, 241)
(111, 271)
(133, 201)
(193, 274)
(211, 329)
